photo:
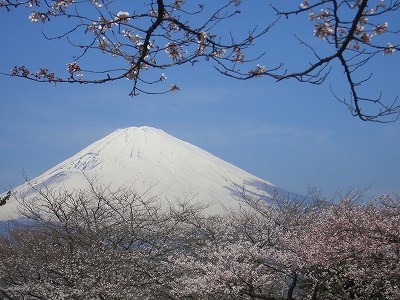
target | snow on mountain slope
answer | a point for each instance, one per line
(148, 159)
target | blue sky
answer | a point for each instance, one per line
(288, 133)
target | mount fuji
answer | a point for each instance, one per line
(153, 163)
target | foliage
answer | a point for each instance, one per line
(3, 200)
(162, 34)
(330, 251)
(93, 244)
(102, 244)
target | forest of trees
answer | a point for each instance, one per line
(142, 41)
(103, 244)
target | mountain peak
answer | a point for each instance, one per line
(140, 129)
(150, 160)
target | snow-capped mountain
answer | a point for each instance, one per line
(153, 162)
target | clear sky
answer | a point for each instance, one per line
(288, 133)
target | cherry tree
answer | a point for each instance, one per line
(353, 250)
(92, 244)
(146, 40)
(357, 32)
(243, 259)
(154, 36)
(103, 244)
(298, 251)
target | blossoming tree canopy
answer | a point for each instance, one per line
(157, 35)
(100, 243)
(142, 41)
